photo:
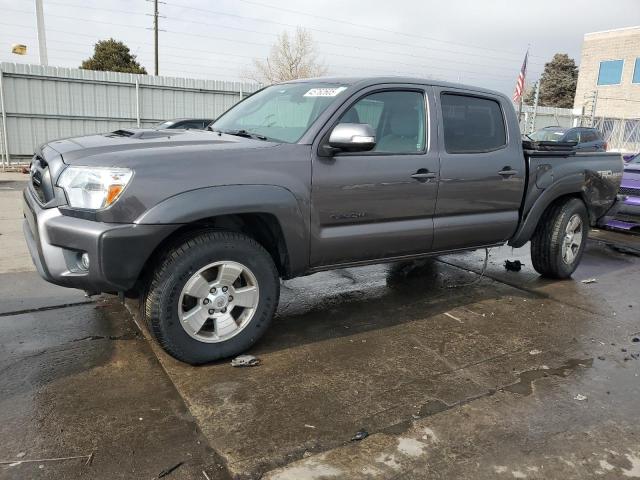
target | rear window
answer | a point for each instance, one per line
(547, 135)
(472, 124)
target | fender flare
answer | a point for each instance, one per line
(569, 185)
(196, 205)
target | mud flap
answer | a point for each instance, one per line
(611, 213)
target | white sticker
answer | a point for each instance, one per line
(324, 92)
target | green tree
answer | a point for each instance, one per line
(557, 83)
(113, 56)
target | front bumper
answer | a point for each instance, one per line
(117, 252)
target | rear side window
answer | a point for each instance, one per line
(472, 124)
(590, 136)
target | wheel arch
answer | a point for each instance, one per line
(548, 198)
(271, 215)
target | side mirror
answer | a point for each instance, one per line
(352, 137)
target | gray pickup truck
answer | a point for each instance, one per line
(300, 177)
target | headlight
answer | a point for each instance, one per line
(93, 187)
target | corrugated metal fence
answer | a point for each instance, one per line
(39, 104)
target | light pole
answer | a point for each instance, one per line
(42, 37)
(155, 35)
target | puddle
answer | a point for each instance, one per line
(524, 386)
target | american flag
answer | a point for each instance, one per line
(517, 94)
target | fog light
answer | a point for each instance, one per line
(84, 261)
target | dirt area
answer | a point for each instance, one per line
(451, 374)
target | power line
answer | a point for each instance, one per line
(332, 32)
(371, 59)
(360, 57)
(226, 61)
(370, 27)
(320, 42)
(387, 42)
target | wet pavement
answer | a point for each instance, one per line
(451, 373)
(81, 381)
(398, 349)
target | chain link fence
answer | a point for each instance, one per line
(619, 133)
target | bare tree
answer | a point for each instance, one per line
(289, 59)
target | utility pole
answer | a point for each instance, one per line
(42, 37)
(155, 34)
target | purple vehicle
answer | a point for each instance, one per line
(628, 217)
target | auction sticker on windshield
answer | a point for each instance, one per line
(324, 92)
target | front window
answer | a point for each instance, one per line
(610, 72)
(281, 113)
(398, 118)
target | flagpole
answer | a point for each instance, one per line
(520, 109)
(524, 82)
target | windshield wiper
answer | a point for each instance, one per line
(243, 133)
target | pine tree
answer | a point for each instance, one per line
(558, 82)
(113, 56)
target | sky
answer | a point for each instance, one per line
(478, 42)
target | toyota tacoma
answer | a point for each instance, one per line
(297, 178)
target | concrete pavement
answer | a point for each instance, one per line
(451, 374)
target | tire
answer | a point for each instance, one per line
(180, 296)
(550, 241)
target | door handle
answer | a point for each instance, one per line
(422, 175)
(507, 172)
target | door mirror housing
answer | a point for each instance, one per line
(352, 137)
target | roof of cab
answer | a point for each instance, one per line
(369, 81)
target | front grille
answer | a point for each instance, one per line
(633, 192)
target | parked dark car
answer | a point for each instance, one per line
(184, 123)
(297, 178)
(628, 216)
(587, 139)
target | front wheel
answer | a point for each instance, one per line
(212, 296)
(560, 238)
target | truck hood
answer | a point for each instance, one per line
(127, 147)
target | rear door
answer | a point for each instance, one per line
(482, 171)
(377, 204)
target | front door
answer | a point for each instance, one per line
(378, 204)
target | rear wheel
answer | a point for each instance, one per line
(212, 296)
(560, 238)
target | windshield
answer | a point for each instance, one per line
(547, 135)
(281, 113)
